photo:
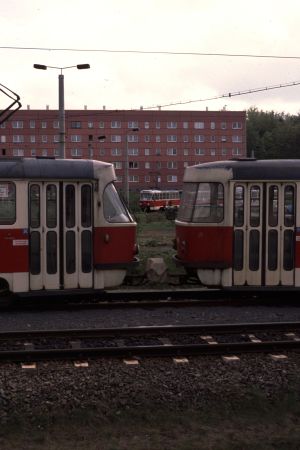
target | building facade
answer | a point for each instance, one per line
(156, 145)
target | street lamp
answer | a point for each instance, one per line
(126, 166)
(61, 102)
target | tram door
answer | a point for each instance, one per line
(60, 226)
(264, 221)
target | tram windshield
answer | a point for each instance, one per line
(114, 210)
(202, 202)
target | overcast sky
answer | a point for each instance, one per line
(70, 32)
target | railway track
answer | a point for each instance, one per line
(152, 298)
(162, 341)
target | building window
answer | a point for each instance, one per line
(18, 138)
(116, 152)
(147, 125)
(133, 151)
(44, 124)
(44, 139)
(172, 165)
(32, 123)
(147, 138)
(185, 138)
(223, 125)
(212, 152)
(157, 138)
(199, 125)
(185, 125)
(213, 139)
(185, 164)
(157, 125)
(33, 152)
(18, 152)
(236, 138)
(199, 138)
(101, 124)
(44, 152)
(147, 179)
(119, 179)
(17, 124)
(56, 152)
(118, 165)
(3, 139)
(115, 124)
(186, 151)
(133, 165)
(236, 125)
(76, 152)
(3, 125)
(172, 151)
(236, 151)
(115, 138)
(224, 151)
(158, 165)
(223, 138)
(212, 125)
(172, 178)
(32, 139)
(157, 152)
(172, 138)
(133, 138)
(133, 124)
(133, 178)
(147, 165)
(147, 151)
(90, 124)
(56, 138)
(55, 124)
(199, 151)
(75, 124)
(171, 124)
(75, 138)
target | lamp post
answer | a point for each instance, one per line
(61, 102)
(127, 167)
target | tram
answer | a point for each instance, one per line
(159, 200)
(63, 226)
(238, 224)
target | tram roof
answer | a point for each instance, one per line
(251, 169)
(49, 168)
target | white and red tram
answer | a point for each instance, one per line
(62, 226)
(159, 200)
(238, 223)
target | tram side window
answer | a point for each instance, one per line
(209, 205)
(35, 206)
(7, 203)
(273, 206)
(51, 208)
(113, 209)
(239, 206)
(86, 206)
(289, 202)
(255, 206)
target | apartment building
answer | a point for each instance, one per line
(155, 145)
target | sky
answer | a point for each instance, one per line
(176, 54)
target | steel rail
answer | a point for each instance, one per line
(150, 351)
(225, 328)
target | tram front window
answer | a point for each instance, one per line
(114, 210)
(202, 202)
